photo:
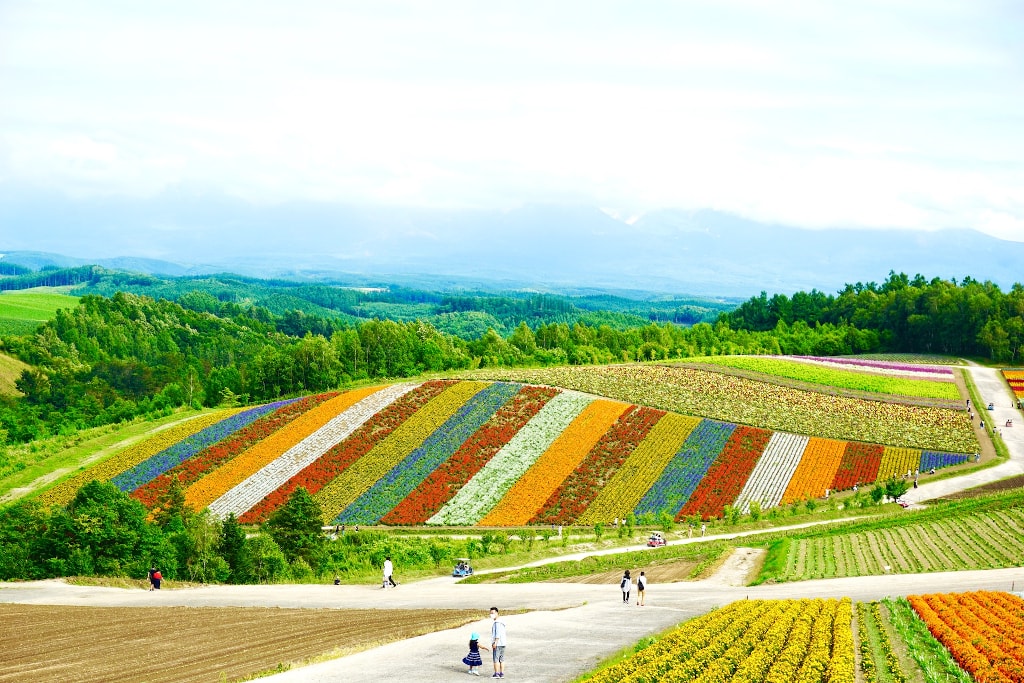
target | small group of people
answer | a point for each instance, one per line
(155, 579)
(498, 640)
(626, 585)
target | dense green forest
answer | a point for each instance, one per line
(908, 315)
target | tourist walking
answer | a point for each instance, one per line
(627, 586)
(155, 578)
(498, 642)
(473, 659)
(389, 569)
(641, 588)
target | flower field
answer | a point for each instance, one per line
(1015, 378)
(753, 641)
(485, 453)
(937, 384)
(761, 404)
(984, 631)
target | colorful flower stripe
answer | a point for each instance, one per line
(527, 495)
(579, 489)
(219, 453)
(641, 469)
(150, 468)
(885, 365)
(729, 473)
(274, 474)
(773, 471)
(404, 477)
(989, 654)
(859, 465)
(63, 493)
(320, 473)
(216, 483)
(896, 462)
(1015, 378)
(444, 482)
(936, 460)
(816, 470)
(494, 479)
(361, 475)
(687, 467)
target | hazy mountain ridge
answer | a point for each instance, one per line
(699, 252)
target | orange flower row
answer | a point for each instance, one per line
(528, 495)
(816, 470)
(969, 626)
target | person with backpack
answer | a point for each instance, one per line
(641, 586)
(155, 577)
(626, 585)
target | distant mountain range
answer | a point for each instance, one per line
(544, 247)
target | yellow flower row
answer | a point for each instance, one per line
(63, 493)
(898, 461)
(641, 469)
(238, 469)
(841, 661)
(533, 489)
(363, 473)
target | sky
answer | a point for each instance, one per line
(893, 114)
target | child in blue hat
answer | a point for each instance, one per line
(473, 660)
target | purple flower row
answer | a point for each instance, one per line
(404, 477)
(687, 467)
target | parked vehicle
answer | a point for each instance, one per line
(656, 540)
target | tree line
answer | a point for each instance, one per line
(969, 318)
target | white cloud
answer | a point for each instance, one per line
(883, 114)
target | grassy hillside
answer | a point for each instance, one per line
(10, 370)
(23, 311)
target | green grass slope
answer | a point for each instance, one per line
(23, 311)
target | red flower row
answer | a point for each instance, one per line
(859, 465)
(445, 481)
(581, 487)
(328, 466)
(212, 457)
(727, 476)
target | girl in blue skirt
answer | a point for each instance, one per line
(473, 660)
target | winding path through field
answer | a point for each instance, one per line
(993, 390)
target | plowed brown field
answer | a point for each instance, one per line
(183, 644)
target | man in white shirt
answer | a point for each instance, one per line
(389, 569)
(497, 644)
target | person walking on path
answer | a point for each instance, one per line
(473, 660)
(498, 641)
(641, 586)
(155, 578)
(389, 569)
(627, 586)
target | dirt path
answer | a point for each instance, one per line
(570, 628)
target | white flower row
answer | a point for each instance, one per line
(773, 471)
(277, 472)
(492, 482)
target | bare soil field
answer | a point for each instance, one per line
(986, 489)
(668, 572)
(184, 644)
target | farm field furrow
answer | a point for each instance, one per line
(190, 645)
(969, 542)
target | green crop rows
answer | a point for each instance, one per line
(986, 540)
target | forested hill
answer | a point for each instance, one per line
(969, 318)
(323, 306)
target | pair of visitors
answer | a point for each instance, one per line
(498, 642)
(626, 585)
